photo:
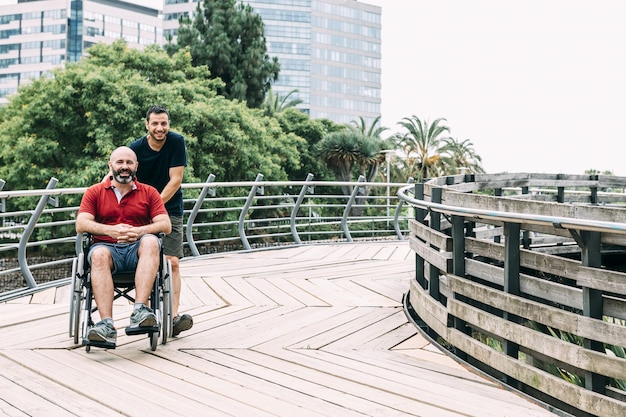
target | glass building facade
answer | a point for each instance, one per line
(329, 50)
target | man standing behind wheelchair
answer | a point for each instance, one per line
(124, 216)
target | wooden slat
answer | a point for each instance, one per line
(305, 331)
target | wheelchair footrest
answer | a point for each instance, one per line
(99, 344)
(135, 330)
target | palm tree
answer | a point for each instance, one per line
(423, 145)
(346, 151)
(373, 130)
(276, 103)
(463, 156)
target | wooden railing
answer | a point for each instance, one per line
(523, 276)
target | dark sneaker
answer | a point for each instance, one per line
(182, 323)
(143, 317)
(102, 332)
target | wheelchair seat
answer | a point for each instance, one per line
(82, 301)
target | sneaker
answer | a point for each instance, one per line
(102, 332)
(182, 323)
(143, 317)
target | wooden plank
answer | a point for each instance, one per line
(319, 348)
(433, 237)
(442, 260)
(585, 327)
(355, 397)
(227, 292)
(561, 389)
(372, 335)
(404, 393)
(351, 323)
(407, 372)
(366, 294)
(254, 385)
(545, 344)
(25, 393)
(277, 295)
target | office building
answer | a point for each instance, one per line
(329, 50)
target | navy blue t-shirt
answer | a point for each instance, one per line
(154, 167)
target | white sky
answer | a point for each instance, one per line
(536, 85)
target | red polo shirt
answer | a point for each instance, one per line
(137, 207)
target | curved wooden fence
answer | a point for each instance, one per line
(523, 276)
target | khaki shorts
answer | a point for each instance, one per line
(173, 243)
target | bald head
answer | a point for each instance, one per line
(123, 152)
(123, 164)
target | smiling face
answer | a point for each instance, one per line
(123, 165)
(158, 124)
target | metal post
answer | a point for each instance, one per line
(420, 217)
(244, 211)
(194, 212)
(511, 284)
(294, 212)
(593, 303)
(21, 250)
(396, 216)
(346, 211)
(435, 224)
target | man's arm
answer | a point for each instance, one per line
(160, 223)
(123, 233)
(176, 179)
(86, 223)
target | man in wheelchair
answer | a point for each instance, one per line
(124, 216)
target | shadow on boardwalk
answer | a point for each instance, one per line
(298, 331)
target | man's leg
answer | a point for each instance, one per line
(101, 259)
(173, 250)
(146, 255)
(175, 284)
(147, 267)
(101, 263)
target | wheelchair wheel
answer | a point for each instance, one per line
(76, 299)
(154, 340)
(166, 304)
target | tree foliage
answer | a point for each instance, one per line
(422, 144)
(429, 151)
(66, 126)
(312, 131)
(348, 151)
(228, 38)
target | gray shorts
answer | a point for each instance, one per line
(173, 243)
(125, 255)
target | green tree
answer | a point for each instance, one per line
(228, 38)
(275, 104)
(312, 131)
(374, 130)
(423, 145)
(462, 156)
(348, 151)
(65, 127)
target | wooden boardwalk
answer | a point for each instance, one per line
(295, 332)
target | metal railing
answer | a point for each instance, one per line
(38, 240)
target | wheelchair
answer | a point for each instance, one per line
(82, 301)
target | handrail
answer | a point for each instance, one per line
(305, 187)
(541, 220)
(346, 211)
(21, 252)
(505, 289)
(52, 227)
(194, 212)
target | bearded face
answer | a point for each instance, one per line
(124, 175)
